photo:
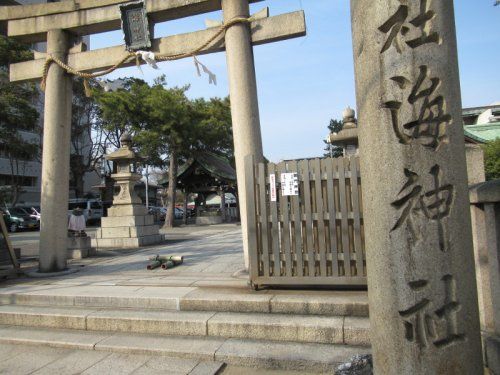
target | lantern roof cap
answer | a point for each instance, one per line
(125, 152)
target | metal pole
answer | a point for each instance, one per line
(147, 188)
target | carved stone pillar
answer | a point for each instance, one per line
(421, 279)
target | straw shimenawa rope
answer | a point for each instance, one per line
(132, 55)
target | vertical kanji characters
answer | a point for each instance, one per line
(418, 321)
(398, 28)
(409, 203)
(434, 204)
(437, 203)
(422, 321)
(448, 313)
(429, 129)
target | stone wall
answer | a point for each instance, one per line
(485, 213)
(475, 163)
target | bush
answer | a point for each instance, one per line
(492, 159)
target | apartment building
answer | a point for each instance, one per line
(28, 171)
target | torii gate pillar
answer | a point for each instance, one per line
(244, 102)
(55, 158)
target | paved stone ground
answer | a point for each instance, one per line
(28, 241)
(236, 370)
(213, 261)
(209, 257)
(25, 359)
(36, 360)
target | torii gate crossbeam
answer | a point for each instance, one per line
(60, 21)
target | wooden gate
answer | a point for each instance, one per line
(313, 238)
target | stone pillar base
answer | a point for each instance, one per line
(5, 257)
(127, 243)
(79, 247)
(209, 220)
(126, 227)
(492, 353)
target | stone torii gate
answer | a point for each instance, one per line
(58, 23)
(422, 293)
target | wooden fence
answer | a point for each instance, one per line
(313, 238)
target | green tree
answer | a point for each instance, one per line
(17, 113)
(334, 126)
(492, 159)
(122, 110)
(214, 125)
(169, 130)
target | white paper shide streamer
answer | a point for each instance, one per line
(149, 57)
(212, 78)
(108, 85)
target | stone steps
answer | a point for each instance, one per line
(319, 358)
(254, 326)
(191, 299)
(278, 329)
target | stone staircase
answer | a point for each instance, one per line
(291, 330)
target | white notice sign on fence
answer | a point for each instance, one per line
(272, 187)
(289, 184)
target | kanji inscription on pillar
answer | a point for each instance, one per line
(404, 29)
(428, 126)
(432, 204)
(429, 322)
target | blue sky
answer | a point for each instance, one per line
(304, 82)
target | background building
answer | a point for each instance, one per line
(482, 124)
(29, 170)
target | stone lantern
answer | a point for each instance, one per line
(126, 176)
(128, 224)
(347, 138)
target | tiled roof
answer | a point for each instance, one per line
(214, 165)
(483, 132)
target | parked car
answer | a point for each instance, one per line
(34, 211)
(157, 212)
(179, 213)
(161, 213)
(17, 218)
(191, 212)
(92, 208)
